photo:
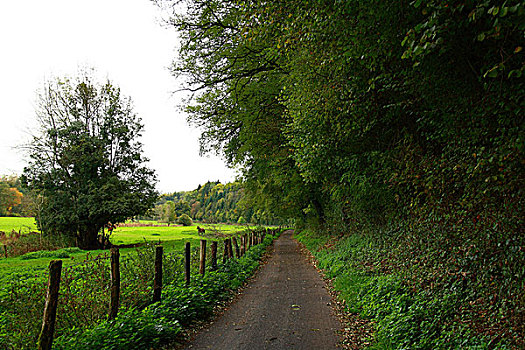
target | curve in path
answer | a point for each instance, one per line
(285, 307)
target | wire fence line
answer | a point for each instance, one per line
(85, 288)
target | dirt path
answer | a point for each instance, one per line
(286, 307)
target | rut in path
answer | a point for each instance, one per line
(285, 307)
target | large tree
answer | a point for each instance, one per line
(86, 160)
(346, 108)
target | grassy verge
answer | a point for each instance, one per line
(405, 317)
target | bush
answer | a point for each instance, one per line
(133, 329)
(63, 253)
(407, 315)
(185, 220)
(34, 242)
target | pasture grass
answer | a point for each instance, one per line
(24, 225)
(173, 239)
(138, 234)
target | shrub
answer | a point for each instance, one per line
(133, 329)
(63, 253)
(409, 312)
(34, 241)
(185, 220)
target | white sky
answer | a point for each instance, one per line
(124, 41)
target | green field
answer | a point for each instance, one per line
(173, 239)
(130, 235)
(24, 225)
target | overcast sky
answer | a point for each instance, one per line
(124, 41)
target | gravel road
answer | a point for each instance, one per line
(285, 307)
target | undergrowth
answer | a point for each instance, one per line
(162, 322)
(417, 298)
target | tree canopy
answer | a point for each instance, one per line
(344, 111)
(86, 159)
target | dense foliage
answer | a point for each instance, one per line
(404, 317)
(86, 160)
(213, 202)
(392, 118)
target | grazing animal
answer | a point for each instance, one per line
(201, 230)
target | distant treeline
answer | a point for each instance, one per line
(212, 202)
(15, 200)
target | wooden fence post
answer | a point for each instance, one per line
(202, 266)
(245, 243)
(230, 250)
(45, 340)
(237, 252)
(115, 283)
(242, 245)
(187, 261)
(225, 255)
(5, 250)
(214, 255)
(157, 283)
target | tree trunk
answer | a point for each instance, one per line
(88, 239)
(319, 210)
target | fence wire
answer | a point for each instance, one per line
(84, 295)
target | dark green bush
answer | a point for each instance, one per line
(132, 329)
(185, 220)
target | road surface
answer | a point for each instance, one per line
(286, 307)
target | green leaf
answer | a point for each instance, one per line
(492, 73)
